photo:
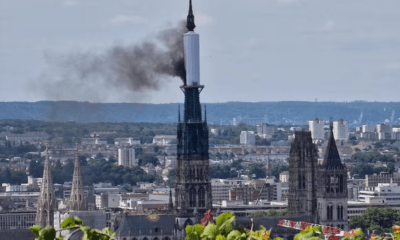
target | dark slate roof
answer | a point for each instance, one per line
(132, 225)
(332, 158)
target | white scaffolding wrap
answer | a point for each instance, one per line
(192, 59)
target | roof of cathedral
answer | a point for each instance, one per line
(331, 158)
(146, 223)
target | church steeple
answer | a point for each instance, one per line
(332, 157)
(190, 18)
(77, 201)
(46, 202)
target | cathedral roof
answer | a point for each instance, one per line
(331, 158)
(146, 223)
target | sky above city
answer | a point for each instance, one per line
(250, 50)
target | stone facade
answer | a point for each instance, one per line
(47, 199)
(303, 175)
(193, 186)
(77, 200)
(332, 185)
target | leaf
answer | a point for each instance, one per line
(189, 229)
(78, 221)
(220, 237)
(48, 233)
(68, 223)
(226, 226)
(223, 218)
(210, 231)
(199, 229)
(234, 235)
(35, 229)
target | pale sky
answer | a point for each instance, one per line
(251, 50)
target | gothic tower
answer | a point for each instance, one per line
(332, 194)
(192, 187)
(47, 201)
(77, 200)
(302, 175)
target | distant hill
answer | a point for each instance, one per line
(278, 113)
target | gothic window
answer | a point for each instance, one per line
(155, 238)
(341, 212)
(202, 197)
(341, 183)
(76, 197)
(155, 229)
(338, 213)
(166, 238)
(337, 182)
(304, 182)
(45, 196)
(299, 181)
(192, 197)
(328, 183)
(329, 209)
(80, 197)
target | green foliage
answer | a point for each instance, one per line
(310, 233)
(223, 230)
(148, 158)
(381, 219)
(222, 172)
(258, 170)
(359, 235)
(278, 169)
(371, 157)
(367, 169)
(49, 233)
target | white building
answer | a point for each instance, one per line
(316, 127)
(340, 129)
(126, 141)
(284, 177)
(126, 157)
(107, 200)
(384, 131)
(265, 131)
(247, 138)
(368, 128)
(163, 139)
(385, 193)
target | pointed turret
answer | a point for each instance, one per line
(46, 202)
(77, 201)
(190, 18)
(332, 158)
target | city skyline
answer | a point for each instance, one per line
(265, 50)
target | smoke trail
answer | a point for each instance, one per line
(139, 68)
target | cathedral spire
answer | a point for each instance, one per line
(46, 202)
(190, 18)
(332, 157)
(77, 201)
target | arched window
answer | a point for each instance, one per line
(202, 197)
(337, 182)
(156, 238)
(76, 197)
(304, 182)
(145, 238)
(338, 213)
(328, 183)
(192, 197)
(299, 181)
(156, 230)
(134, 238)
(329, 214)
(166, 238)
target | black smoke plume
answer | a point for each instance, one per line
(138, 68)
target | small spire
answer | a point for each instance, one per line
(190, 18)
(170, 204)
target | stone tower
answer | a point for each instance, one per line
(47, 200)
(77, 200)
(303, 175)
(193, 187)
(332, 194)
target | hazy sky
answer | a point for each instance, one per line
(251, 50)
